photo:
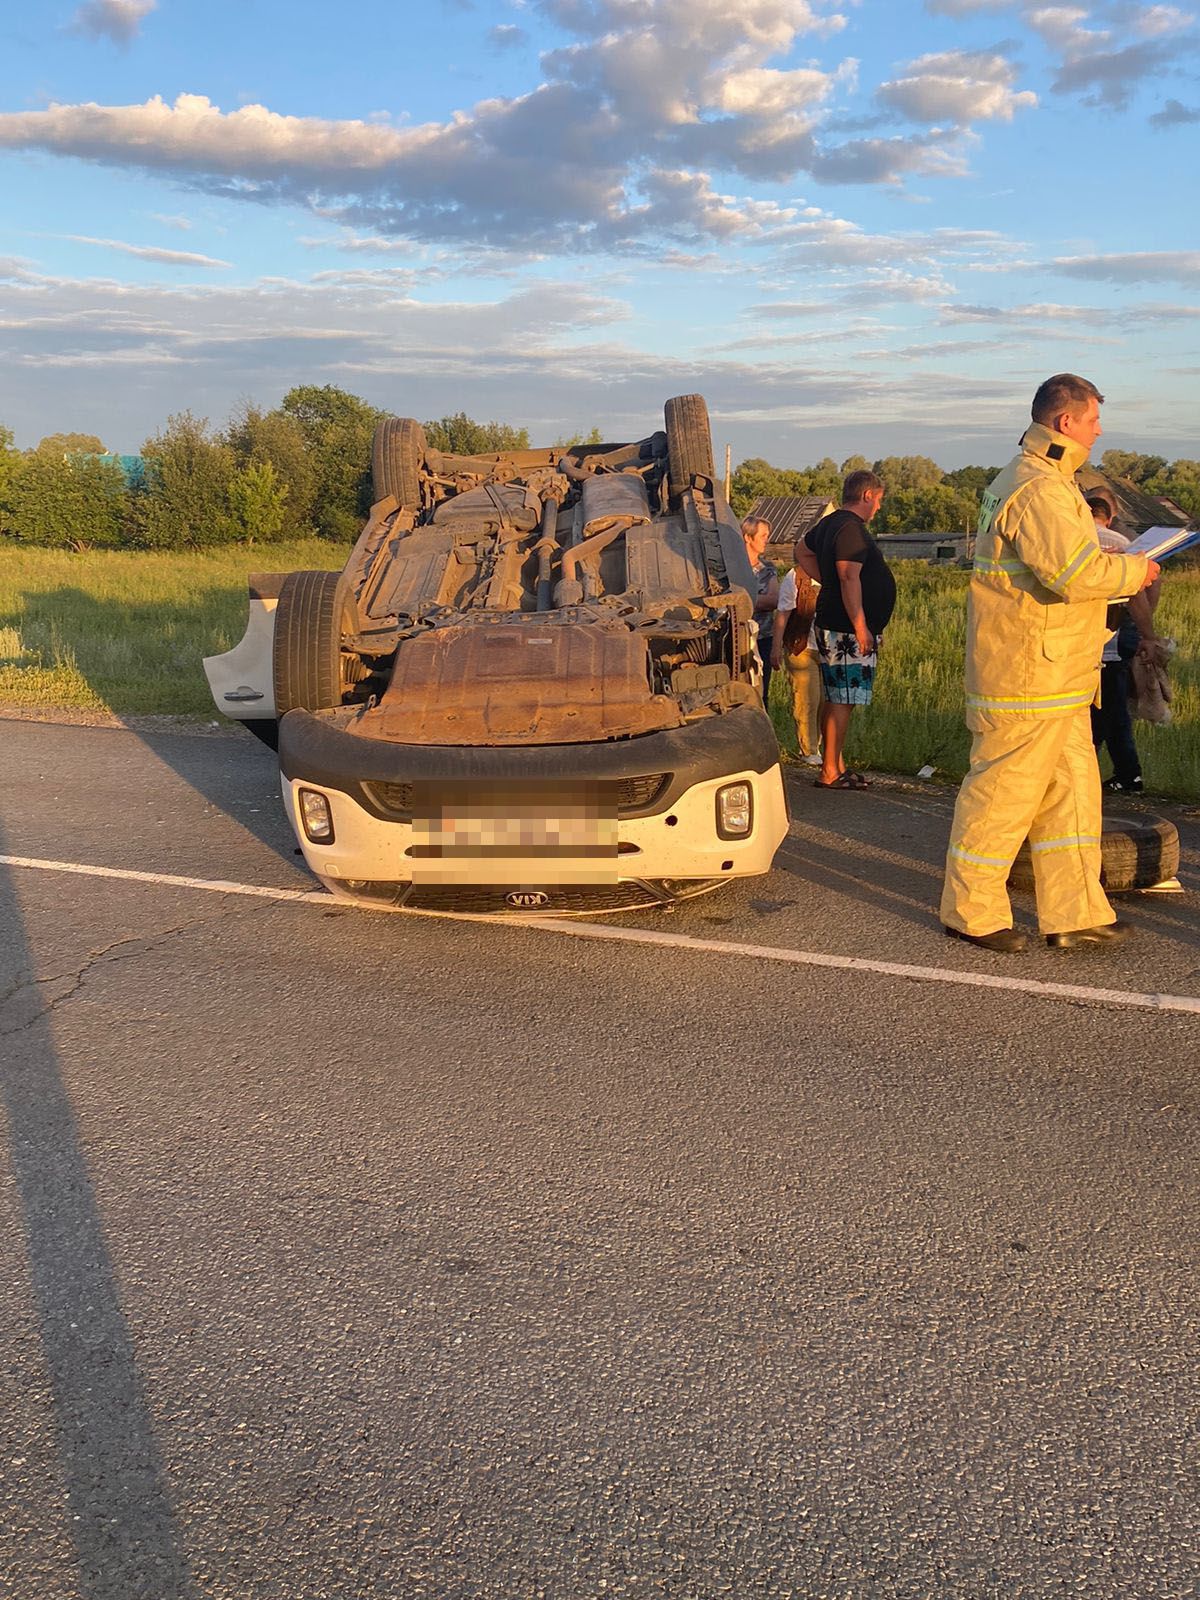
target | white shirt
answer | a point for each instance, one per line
(787, 602)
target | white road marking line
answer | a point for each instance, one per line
(215, 885)
(650, 936)
(889, 969)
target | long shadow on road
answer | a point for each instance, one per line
(175, 636)
(118, 1515)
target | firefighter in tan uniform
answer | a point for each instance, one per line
(1035, 634)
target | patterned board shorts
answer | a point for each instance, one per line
(847, 676)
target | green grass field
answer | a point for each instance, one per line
(124, 632)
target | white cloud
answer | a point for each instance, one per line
(646, 87)
(1144, 266)
(146, 252)
(118, 20)
(549, 356)
(1042, 314)
(1174, 114)
(1103, 51)
(788, 310)
(957, 86)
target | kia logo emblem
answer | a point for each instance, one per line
(527, 899)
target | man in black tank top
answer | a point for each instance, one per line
(858, 595)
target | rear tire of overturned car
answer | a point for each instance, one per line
(309, 621)
(689, 441)
(397, 453)
(1135, 853)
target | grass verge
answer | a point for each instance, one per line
(124, 632)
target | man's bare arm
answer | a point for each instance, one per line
(781, 620)
(850, 576)
(808, 563)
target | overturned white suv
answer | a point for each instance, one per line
(534, 687)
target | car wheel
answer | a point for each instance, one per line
(397, 454)
(1135, 853)
(311, 616)
(689, 441)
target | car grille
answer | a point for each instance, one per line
(581, 897)
(395, 800)
(635, 794)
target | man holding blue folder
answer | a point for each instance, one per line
(1039, 593)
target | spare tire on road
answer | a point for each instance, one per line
(1135, 853)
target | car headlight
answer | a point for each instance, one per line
(735, 810)
(316, 817)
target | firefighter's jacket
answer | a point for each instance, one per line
(1039, 589)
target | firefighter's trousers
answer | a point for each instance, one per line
(1032, 777)
(804, 675)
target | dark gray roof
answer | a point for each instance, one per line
(1136, 510)
(790, 515)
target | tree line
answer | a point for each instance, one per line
(303, 469)
(921, 498)
(300, 470)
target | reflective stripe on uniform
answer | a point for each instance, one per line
(1011, 569)
(969, 856)
(1075, 841)
(1082, 554)
(1028, 705)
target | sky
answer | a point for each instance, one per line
(852, 225)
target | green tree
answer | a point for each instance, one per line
(1132, 464)
(934, 509)
(1180, 483)
(257, 503)
(459, 435)
(73, 502)
(277, 438)
(974, 480)
(908, 472)
(824, 478)
(854, 464)
(10, 460)
(754, 478)
(185, 503)
(594, 436)
(338, 428)
(61, 444)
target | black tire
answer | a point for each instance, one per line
(310, 619)
(397, 453)
(1135, 853)
(689, 441)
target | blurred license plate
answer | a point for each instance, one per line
(565, 836)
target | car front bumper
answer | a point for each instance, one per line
(668, 843)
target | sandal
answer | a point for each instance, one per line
(847, 780)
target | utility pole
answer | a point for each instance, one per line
(728, 470)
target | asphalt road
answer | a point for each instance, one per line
(360, 1256)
